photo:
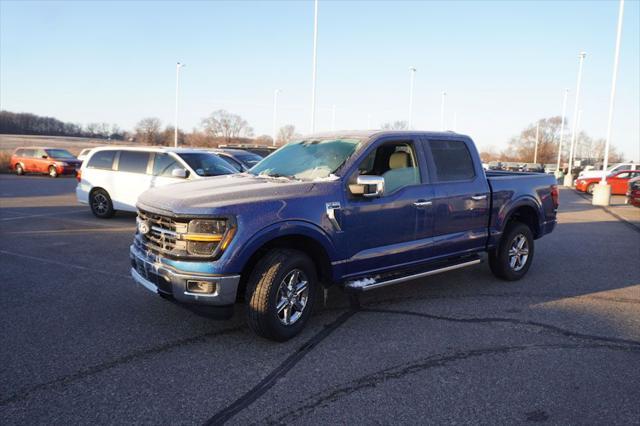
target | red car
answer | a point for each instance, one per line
(617, 180)
(633, 192)
(52, 161)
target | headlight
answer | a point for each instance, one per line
(209, 236)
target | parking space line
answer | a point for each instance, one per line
(38, 215)
(63, 264)
(72, 231)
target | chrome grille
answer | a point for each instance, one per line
(162, 237)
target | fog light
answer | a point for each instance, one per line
(206, 287)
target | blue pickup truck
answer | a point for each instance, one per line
(359, 210)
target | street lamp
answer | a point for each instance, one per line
(315, 58)
(535, 151)
(275, 115)
(602, 191)
(412, 73)
(175, 135)
(564, 113)
(568, 178)
(444, 95)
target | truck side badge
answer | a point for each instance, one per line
(331, 214)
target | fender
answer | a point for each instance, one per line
(285, 228)
(506, 211)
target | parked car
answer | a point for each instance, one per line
(241, 160)
(633, 192)
(261, 150)
(511, 166)
(533, 167)
(360, 211)
(587, 174)
(495, 165)
(617, 180)
(83, 154)
(51, 161)
(112, 178)
(550, 169)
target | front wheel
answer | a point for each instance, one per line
(512, 258)
(590, 188)
(101, 205)
(53, 172)
(280, 294)
(19, 169)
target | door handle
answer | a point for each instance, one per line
(478, 197)
(422, 203)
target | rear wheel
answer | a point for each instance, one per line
(280, 294)
(512, 258)
(53, 172)
(19, 169)
(101, 204)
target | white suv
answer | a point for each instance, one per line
(112, 178)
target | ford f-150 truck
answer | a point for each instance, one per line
(360, 210)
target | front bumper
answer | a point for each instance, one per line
(159, 278)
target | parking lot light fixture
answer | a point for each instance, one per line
(412, 73)
(444, 96)
(535, 151)
(602, 191)
(564, 113)
(315, 66)
(568, 179)
(175, 134)
(275, 115)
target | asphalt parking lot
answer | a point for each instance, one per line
(81, 343)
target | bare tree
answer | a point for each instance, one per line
(263, 140)
(286, 134)
(148, 130)
(395, 125)
(522, 147)
(224, 124)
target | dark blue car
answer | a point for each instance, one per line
(356, 210)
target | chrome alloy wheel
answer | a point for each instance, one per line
(292, 297)
(518, 253)
(100, 204)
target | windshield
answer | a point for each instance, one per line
(249, 158)
(205, 164)
(59, 153)
(307, 159)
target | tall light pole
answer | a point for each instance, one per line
(535, 151)
(412, 74)
(444, 95)
(564, 113)
(315, 66)
(602, 191)
(333, 117)
(568, 179)
(275, 115)
(175, 135)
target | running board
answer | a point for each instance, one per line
(366, 284)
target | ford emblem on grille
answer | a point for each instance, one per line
(143, 227)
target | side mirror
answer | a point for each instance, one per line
(179, 173)
(368, 186)
(45, 156)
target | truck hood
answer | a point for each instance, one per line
(201, 195)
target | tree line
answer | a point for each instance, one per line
(24, 123)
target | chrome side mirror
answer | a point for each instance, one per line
(179, 173)
(368, 186)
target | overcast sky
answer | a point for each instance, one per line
(503, 64)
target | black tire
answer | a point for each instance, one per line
(101, 205)
(501, 261)
(266, 288)
(53, 173)
(590, 188)
(19, 169)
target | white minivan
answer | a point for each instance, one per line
(112, 178)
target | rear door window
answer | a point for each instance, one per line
(452, 160)
(102, 160)
(133, 161)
